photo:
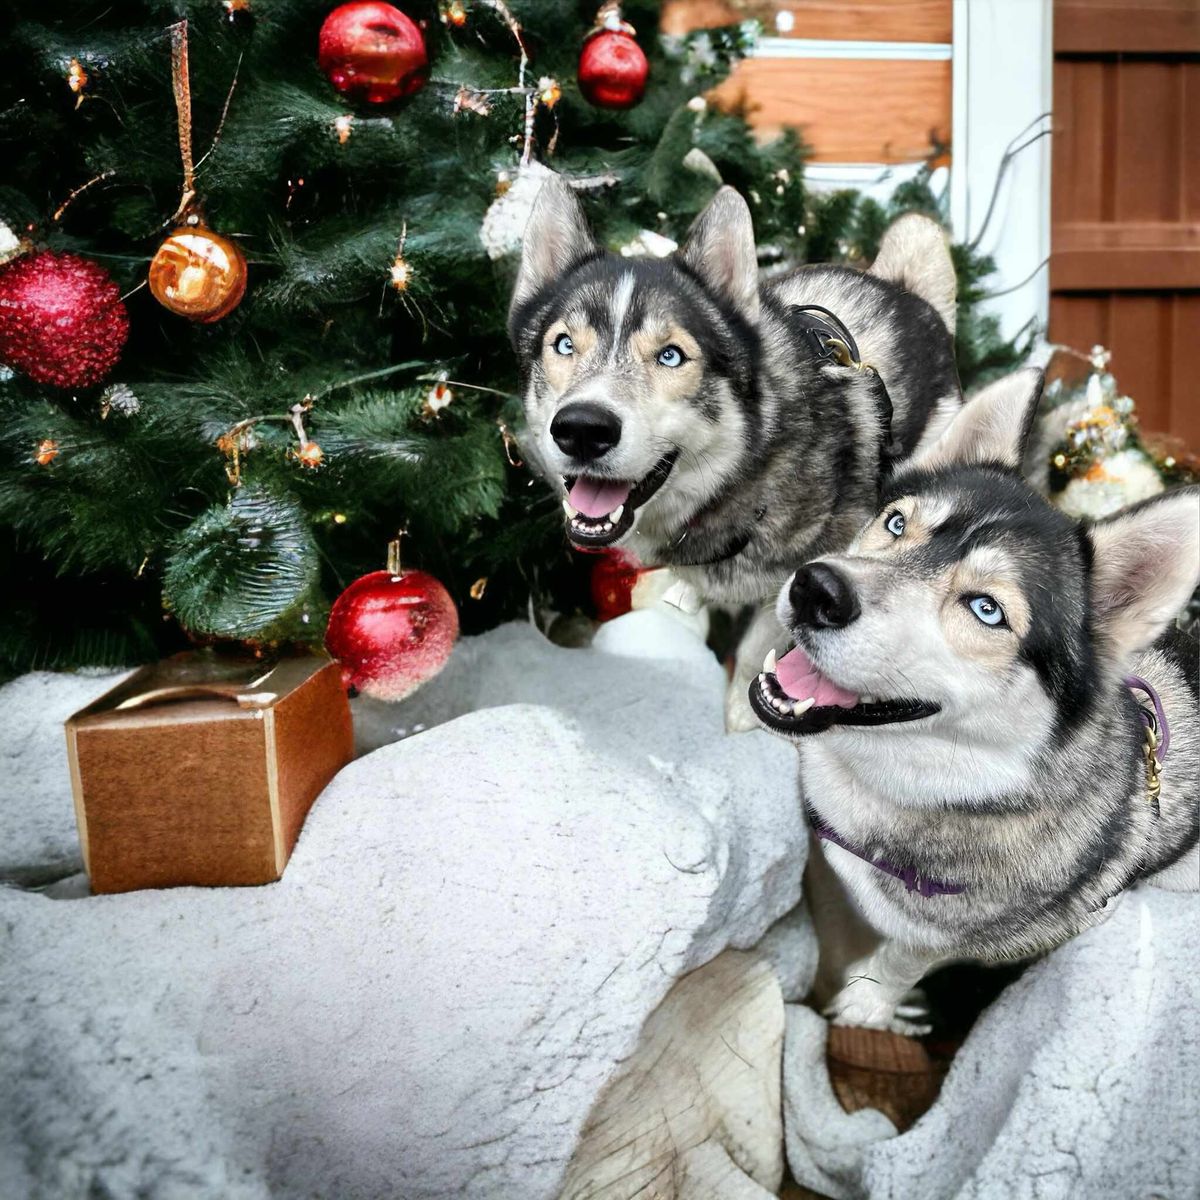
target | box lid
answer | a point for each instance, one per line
(199, 685)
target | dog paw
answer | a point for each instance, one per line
(739, 716)
(865, 1005)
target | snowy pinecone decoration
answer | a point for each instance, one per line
(1111, 483)
(119, 399)
(504, 222)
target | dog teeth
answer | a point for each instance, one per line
(616, 513)
(769, 663)
(802, 706)
(572, 513)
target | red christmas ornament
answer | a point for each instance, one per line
(372, 51)
(62, 321)
(618, 583)
(612, 69)
(392, 630)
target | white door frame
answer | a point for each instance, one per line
(1003, 82)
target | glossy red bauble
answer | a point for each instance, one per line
(612, 70)
(372, 51)
(392, 632)
(62, 320)
(613, 579)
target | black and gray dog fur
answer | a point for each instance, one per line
(995, 745)
(743, 444)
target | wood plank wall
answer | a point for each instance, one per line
(1125, 232)
(849, 110)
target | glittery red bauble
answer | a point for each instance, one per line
(392, 632)
(372, 51)
(612, 70)
(62, 321)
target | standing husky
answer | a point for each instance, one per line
(714, 426)
(977, 685)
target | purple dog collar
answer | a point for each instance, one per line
(1155, 723)
(907, 875)
(1163, 732)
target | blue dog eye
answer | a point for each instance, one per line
(671, 356)
(563, 344)
(895, 524)
(986, 609)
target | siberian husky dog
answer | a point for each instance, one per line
(987, 697)
(715, 426)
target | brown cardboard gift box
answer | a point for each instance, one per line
(200, 769)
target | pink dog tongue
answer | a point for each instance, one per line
(800, 679)
(598, 497)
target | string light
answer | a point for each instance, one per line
(77, 79)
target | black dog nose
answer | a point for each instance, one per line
(822, 598)
(585, 431)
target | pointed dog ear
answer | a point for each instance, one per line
(556, 236)
(720, 250)
(915, 253)
(1146, 565)
(991, 427)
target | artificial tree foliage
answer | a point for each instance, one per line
(134, 538)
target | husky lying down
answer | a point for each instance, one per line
(714, 426)
(974, 684)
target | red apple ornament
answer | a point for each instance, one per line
(371, 51)
(392, 630)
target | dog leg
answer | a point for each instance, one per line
(763, 633)
(843, 937)
(875, 985)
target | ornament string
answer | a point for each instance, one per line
(237, 70)
(182, 89)
(181, 86)
(514, 27)
(231, 443)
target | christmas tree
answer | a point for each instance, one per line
(188, 459)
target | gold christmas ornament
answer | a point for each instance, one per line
(198, 274)
(46, 452)
(549, 93)
(195, 273)
(454, 14)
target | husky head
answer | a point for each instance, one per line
(631, 368)
(970, 617)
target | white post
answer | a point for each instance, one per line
(1003, 81)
